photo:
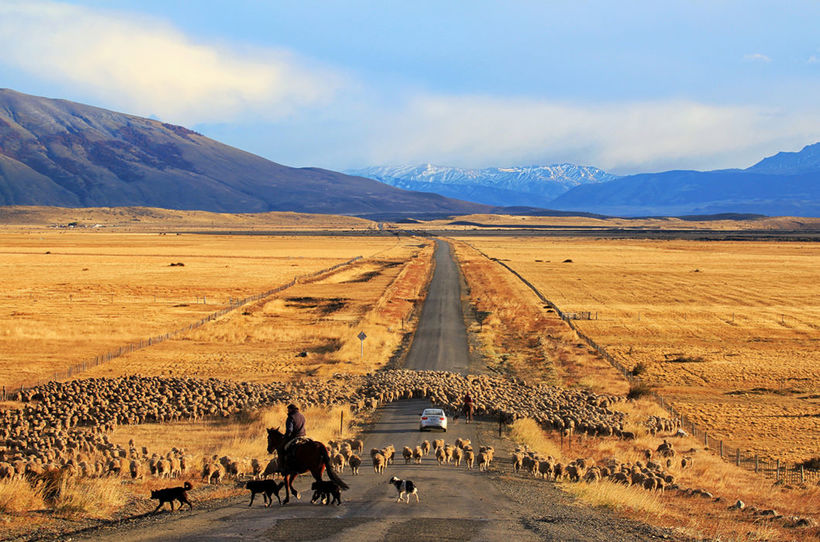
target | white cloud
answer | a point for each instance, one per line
(144, 66)
(757, 57)
(482, 131)
(813, 59)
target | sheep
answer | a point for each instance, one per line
(256, 468)
(163, 468)
(389, 453)
(517, 459)
(458, 454)
(425, 447)
(417, 454)
(438, 443)
(407, 453)
(379, 462)
(134, 468)
(448, 453)
(338, 462)
(355, 462)
(469, 458)
(270, 469)
(441, 456)
(483, 460)
(357, 446)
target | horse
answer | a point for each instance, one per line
(302, 457)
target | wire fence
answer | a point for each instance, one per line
(778, 470)
(143, 343)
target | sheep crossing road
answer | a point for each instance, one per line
(455, 503)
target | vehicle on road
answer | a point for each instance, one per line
(433, 418)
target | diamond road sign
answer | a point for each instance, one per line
(361, 336)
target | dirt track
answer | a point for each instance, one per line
(456, 504)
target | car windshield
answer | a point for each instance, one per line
(430, 412)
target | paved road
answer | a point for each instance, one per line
(440, 341)
(456, 504)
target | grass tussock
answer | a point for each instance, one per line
(18, 497)
(618, 497)
(639, 390)
(90, 497)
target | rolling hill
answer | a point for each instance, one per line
(66, 154)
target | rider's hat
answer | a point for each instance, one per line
(292, 407)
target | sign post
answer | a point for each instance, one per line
(362, 337)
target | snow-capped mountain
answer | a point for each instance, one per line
(529, 185)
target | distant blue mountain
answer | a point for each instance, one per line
(786, 184)
(532, 186)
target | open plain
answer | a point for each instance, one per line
(301, 342)
(728, 331)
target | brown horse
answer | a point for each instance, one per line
(302, 457)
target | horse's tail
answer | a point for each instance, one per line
(330, 472)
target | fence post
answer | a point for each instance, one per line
(706, 438)
(777, 472)
(721, 449)
(802, 475)
(737, 458)
(756, 463)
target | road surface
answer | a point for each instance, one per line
(456, 504)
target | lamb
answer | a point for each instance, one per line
(339, 462)
(517, 460)
(458, 454)
(483, 460)
(441, 456)
(379, 462)
(469, 458)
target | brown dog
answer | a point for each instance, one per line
(171, 494)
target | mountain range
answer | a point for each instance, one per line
(65, 154)
(787, 183)
(533, 186)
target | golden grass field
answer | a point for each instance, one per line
(69, 295)
(727, 330)
(307, 330)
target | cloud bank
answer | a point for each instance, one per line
(297, 111)
(145, 66)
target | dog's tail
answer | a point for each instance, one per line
(330, 472)
(187, 486)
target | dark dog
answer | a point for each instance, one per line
(266, 488)
(322, 491)
(171, 494)
(404, 487)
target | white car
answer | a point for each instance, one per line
(433, 418)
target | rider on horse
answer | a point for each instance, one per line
(294, 428)
(468, 407)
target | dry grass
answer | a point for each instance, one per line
(68, 296)
(527, 432)
(96, 498)
(518, 336)
(18, 497)
(728, 331)
(307, 330)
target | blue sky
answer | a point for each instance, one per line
(626, 86)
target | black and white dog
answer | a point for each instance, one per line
(404, 487)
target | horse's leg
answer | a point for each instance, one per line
(287, 489)
(293, 489)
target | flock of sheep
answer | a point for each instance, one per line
(66, 423)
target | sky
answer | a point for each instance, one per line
(627, 86)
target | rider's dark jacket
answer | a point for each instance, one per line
(294, 426)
